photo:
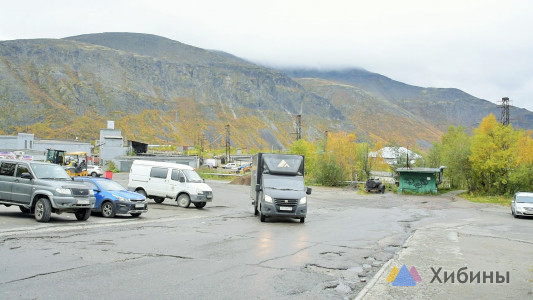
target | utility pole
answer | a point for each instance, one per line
(228, 143)
(298, 132)
(504, 119)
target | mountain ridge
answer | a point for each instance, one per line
(163, 91)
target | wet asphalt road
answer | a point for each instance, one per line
(224, 252)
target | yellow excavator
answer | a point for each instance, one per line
(70, 161)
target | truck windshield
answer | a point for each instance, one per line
(49, 172)
(192, 176)
(289, 183)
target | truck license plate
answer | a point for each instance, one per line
(83, 202)
(285, 208)
(139, 205)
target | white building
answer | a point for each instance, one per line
(392, 154)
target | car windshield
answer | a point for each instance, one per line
(110, 185)
(43, 171)
(524, 199)
(192, 176)
(287, 183)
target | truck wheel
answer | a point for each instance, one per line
(302, 220)
(184, 200)
(199, 204)
(83, 214)
(108, 209)
(43, 210)
(24, 209)
(159, 200)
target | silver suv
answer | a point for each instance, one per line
(42, 189)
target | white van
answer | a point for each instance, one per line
(160, 180)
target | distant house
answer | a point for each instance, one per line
(392, 154)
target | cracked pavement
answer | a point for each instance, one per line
(223, 251)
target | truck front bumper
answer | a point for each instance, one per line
(272, 210)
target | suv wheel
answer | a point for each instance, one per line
(43, 210)
(83, 214)
(24, 209)
(108, 209)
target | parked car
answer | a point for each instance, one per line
(231, 166)
(42, 189)
(522, 204)
(95, 171)
(112, 198)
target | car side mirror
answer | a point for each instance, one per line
(96, 190)
(26, 175)
(257, 187)
(308, 191)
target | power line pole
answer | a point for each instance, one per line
(228, 143)
(298, 132)
(504, 119)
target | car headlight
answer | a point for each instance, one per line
(303, 200)
(119, 198)
(268, 198)
(64, 191)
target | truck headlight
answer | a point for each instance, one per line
(303, 200)
(64, 191)
(268, 198)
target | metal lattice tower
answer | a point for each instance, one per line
(504, 119)
(228, 143)
(298, 132)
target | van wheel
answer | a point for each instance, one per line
(24, 209)
(83, 214)
(43, 210)
(199, 204)
(108, 209)
(159, 199)
(184, 200)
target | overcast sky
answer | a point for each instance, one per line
(482, 47)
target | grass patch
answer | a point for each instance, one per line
(500, 200)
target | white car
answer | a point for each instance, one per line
(94, 171)
(522, 204)
(231, 166)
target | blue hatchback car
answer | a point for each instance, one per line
(112, 198)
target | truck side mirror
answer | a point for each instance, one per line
(257, 187)
(308, 191)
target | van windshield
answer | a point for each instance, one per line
(192, 176)
(49, 171)
(287, 183)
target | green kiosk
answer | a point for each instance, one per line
(419, 180)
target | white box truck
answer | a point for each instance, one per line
(161, 180)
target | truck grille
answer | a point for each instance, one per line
(80, 192)
(286, 202)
